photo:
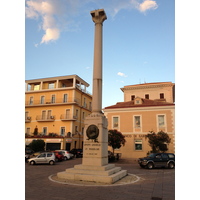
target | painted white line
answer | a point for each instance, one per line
(96, 184)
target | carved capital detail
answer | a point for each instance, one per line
(98, 16)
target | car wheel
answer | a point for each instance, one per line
(171, 165)
(32, 163)
(51, 162)
(65, 158)
(150, 165)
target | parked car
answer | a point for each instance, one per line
(43, 158)
(158, 160)
(111, 156)
(67, 155)
(28, 153)
(59, 156)
(78, 153)
(35, 154)
(27, 156)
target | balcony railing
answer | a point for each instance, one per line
(41, 118)
(65, 117)
(37, 102)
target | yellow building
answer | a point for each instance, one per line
(56, 107)
(146, 107)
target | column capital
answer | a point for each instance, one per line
(98, 16)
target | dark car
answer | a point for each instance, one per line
(78, 153)
(158, 160)
(111, 156)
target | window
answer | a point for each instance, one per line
(48, 114)
(62, 131)
(84, 103)
(53, 98)
(161, 120)
(165, 156)
(65, 98)
(67, 113)
(137, 121)
(43, 114)
(83, 115)
(146, 96)
(44, 131)
(90, 105)
(76, 113)
(138, 145)
(132, 97)
(42, 100)
(31, 101)
(51, 86)
(43, 155)
(115, 122)
(26, 115)
(28, 130)
(161, 95)
(49, 154)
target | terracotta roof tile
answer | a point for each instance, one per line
(145, 103)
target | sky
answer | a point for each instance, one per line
(138, 42)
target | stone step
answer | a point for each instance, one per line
(107, 179)
(94, 172)
(93, 167)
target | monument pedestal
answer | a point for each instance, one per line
(107, 174)
(95, 165)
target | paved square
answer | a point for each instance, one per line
(153, 184)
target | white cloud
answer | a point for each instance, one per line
(55, 15)
(147, 5)
(50, 34)
(121, 74)
(46, 10)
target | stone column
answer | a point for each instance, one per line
(98, 17)
(95, 165)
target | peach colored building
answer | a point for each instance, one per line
(57, 106)
(146, 107)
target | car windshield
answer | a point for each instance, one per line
(151, 155)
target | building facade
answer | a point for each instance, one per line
(55, 109)
(146, 107)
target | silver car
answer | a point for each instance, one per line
(43, 158)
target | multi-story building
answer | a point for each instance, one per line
(146, 107)
(55, 109)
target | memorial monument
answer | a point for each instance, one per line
(95, 165)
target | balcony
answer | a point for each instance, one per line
(50, 101)
(41, 118)
(68, 117)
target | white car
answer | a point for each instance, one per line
(66, 154)
(42, 158)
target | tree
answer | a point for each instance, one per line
(115, 139)
(37, 145)
(35, 131)
(158, 141)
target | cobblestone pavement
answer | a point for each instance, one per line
(155, 184)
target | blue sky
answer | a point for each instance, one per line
(138, 42)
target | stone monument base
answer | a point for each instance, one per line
(107, 174)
